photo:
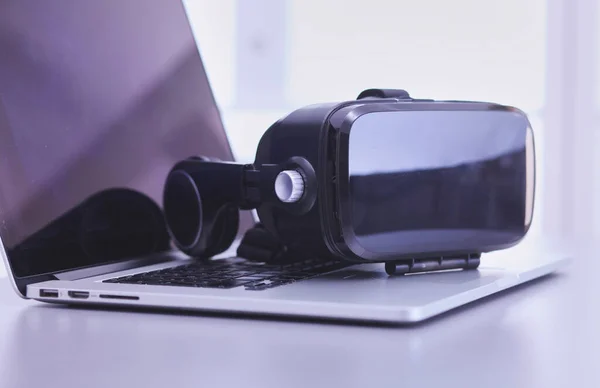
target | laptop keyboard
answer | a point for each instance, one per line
(232, 273)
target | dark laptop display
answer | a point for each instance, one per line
(98, 100)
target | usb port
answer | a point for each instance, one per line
(48, 294)
(79, 294)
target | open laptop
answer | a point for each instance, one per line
(98, 100)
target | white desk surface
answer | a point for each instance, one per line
(545, 334)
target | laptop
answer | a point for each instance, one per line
(98, 100)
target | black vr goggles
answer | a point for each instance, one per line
(417, 184)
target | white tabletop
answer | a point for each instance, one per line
(545, 334)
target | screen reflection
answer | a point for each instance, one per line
(98, 100)
(440, 178)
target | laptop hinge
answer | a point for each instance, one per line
(157, 258)
(431, 264)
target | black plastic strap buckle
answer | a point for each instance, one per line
(398, 94)
(403, 267)
(384, 93)
(260, 245)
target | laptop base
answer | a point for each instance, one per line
(360, 293)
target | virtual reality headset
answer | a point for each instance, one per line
(383, 178)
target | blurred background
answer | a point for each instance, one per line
(267, 57)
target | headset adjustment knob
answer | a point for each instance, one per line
(289, 186)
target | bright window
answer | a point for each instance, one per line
(460, 49)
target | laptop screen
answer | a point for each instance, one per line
(98, 100)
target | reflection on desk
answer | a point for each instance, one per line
(103, 347)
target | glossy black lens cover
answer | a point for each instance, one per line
(434, 181)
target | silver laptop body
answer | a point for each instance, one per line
(99, 100)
